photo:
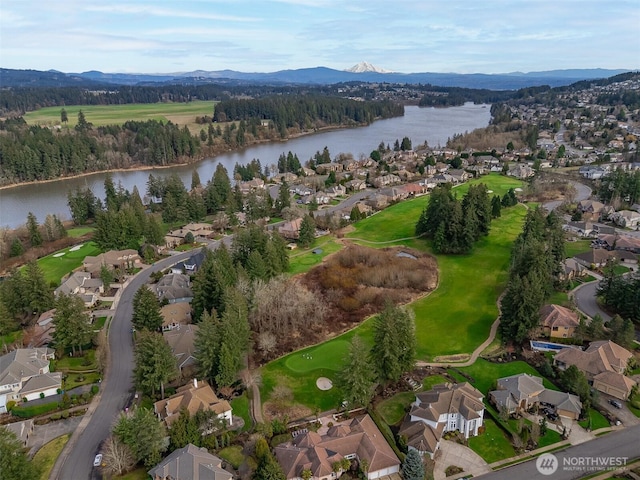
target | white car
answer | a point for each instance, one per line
(98, 460)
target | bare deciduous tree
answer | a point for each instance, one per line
(267, 342)
(117, 457)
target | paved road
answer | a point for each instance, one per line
(585, 298)
(77, 462)
(622, 443)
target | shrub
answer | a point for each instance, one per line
(94, 389)
(10, 405)
(41, 394)
(56, 416)
(65, 414)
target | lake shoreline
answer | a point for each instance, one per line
(139, 168)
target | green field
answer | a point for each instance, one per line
(486, 373)
(493, 445)
(240, 406)
(99, 115)
(301, 261)
(56, 266)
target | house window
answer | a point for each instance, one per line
(555, 329)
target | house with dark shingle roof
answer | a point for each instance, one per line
(190, 463)
(444, 408)
(357, 439)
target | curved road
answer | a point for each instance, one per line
(76, 461)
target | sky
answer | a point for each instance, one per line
(409, 36)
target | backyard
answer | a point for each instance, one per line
(59, 264)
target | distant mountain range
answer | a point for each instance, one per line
(362, 72)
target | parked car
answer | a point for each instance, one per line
(552, 416)
(98, 460)
(615, 403)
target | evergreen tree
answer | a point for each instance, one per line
(155, 363)
(496, 206)
(393, 351)
(143, 433)
(184, 430)
(284, 198)
(34, 230)
(207, 345)
(307, 231)
(17, 248)
(14, 462)
(356, 380)
(38, 294)
(64, 117)
(412, 467)
(153, 233)
(73, 327)
(195, 180)
(256, 267)
(7, 322)
(146, 310)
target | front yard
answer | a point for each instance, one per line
(492, 445)
(49, 453)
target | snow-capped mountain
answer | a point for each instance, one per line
(363, 67)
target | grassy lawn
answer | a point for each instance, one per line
(392, 409)
(597, 420)
(49, 453)
(76, 232)
(240, 406)
(77, 379)
(33, 410)
(634, 404)
(233, 455)
(181, 113)
(57, 265)
(9, 338)
(572, 249)
(486, 373)
(138, 474)
(67, 363)
(429, 382)
(301, 261)
(549, 438)
(492, 445)
(559, 298)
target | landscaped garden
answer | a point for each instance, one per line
(594, 421)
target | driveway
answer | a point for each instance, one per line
(43, 434)
(627, 418)
(452, 453)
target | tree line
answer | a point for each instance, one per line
(620, 188)
(536, 259)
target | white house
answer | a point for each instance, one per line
(24, 373)
(444, 408)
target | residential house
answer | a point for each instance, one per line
(190, 463)
(201, 232)
(603, 363)
(22, 430)
(520, 170)
(415, 189)
(182, 343)
(377, 201)
(24, 373)
(459, 176)
(444, 408)
(194, 397)
(336, 191)
(301, 190)
(385, 180)
(325, 168)
(518, 393)
(41, 334)
(113, 259)
(251, 185)
(582, 229)
(394, 194)
(591, 209)
(626, 218)
(308, 172)
(174, 315)
(558, 321)
(290, 230)
(357, 439)
(571, 269)
(174, 287)
(440, 178)
(620, 242)
(356, 185)
(191, 265)
(594, 258)
(83, 285)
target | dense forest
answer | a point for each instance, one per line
(30, 153)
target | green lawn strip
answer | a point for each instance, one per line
(46, 457)
(486, 373)
(118, 114)
(138, 474)
(240, 407)
(492, 445)
(33, 410)
(392, 410)
(78, 379)
(598, 420)
(634, 404)
(76, 232)
(56, 267)
(233, 455)
(429, 382)
(305, 260)
(620, 269)
(559, 298)
(571, 249)
(83, 363)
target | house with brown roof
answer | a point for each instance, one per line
(112, 259)
(190, 463)
(558, 321)
(182, 343)
(519, 393)
(603, 363)
(594, 258)
(83, 285)
(444, 408)
(174, 315)
(318, 452)
(290, 230)
(570, 269)
(193, 397)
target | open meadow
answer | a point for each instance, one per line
(454, 319)
(100, 115)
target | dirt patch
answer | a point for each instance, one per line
(273, 410)
(463, 357)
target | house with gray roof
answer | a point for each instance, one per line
(175, 287)
(24, 373)
(190, 463)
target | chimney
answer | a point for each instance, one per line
(195, 383)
